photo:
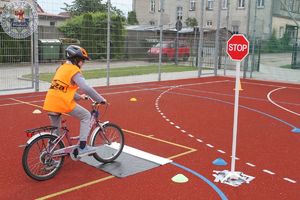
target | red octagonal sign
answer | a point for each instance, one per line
(237, 47)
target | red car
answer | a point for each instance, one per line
(169, 51)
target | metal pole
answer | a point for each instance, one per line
(36, 54)
(253, 39)
(217, 42)
(200, 45)
(227, 24)
(236, 110)
(32, 61)
(108, 44)
(160, 38)
(247, 32)
(176, 52)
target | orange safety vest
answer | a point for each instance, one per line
(60, 96)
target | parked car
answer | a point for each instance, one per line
(169, 51)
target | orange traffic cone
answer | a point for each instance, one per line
(240, 86)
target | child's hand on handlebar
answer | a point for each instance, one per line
(84, 97)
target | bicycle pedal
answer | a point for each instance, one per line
(74, 155)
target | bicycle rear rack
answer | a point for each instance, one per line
(41, 129)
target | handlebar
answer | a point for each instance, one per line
(93, 101)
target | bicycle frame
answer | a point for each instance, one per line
(95, 125)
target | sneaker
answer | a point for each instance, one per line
(86, 151)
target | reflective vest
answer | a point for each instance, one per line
(60, 96)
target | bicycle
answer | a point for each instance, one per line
(45, 150)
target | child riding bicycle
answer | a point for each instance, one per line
(62, 95)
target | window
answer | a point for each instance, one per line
(210, 4)
(290, 4)
(260, 3)
(209, 23)
(192, 5)
(52, 23)
(235, 29)
(224, 4)
(152, 23)
(179, 13)
(281, 31)
(241, 3)
(152, 5)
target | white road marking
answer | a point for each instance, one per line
(221, 151)
(250, 164)
(290, 180)
(268, 172)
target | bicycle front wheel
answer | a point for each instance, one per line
(37, 160)
(110, 143)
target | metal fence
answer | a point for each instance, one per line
(133, 51)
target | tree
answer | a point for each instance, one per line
(191, 22)
(131, 19)
(79, 7)
(83, 6)
(91, 30)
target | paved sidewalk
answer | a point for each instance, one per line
(269, 70)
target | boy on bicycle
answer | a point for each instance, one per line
(62, 95)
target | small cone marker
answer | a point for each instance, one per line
(180, 178)
(219, 162)
(240, 86)
(37, 111)
(133, 99)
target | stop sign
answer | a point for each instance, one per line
(237, 47)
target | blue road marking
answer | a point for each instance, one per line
(220, 193)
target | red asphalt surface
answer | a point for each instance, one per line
(189, 121)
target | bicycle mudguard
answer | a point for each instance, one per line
(96, 130)
(94, 133)
(36, 136)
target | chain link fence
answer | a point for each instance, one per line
(133, 49)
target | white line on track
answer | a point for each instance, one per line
(290, 180)
(268, 172)
(199, 140)
(269, 98)
(250, 164)
(221, 151)
(209, 145)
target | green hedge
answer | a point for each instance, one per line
(91, 30)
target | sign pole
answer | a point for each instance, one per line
(235, 118)
(237, 48)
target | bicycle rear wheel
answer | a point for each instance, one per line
(37, 160)
(110, 141)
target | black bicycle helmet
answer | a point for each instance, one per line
(74, 51)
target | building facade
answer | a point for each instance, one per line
(253, 17)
